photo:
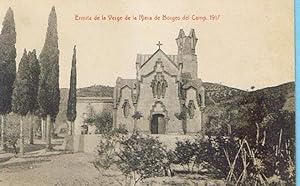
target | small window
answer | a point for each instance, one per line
(126, 108)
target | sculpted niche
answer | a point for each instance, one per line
(126, 108)
(159, 86)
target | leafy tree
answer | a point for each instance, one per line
(21, 94)
(103, 120)
(49, 93)
(186, 153)
(142, 157)
(7, 68)
(108, 146)
(71, 110)
(35, 70)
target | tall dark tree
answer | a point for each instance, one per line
(71, 110)
(34, 67)
(49, 94)
(7, 68)
(21, 94)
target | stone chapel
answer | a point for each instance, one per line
(167, 97)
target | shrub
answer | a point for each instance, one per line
(243, 164)
(13, 133)
(108, 147)
(142, 157)
(102, 120)
(186, 154)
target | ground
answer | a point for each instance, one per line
(39, 167)
(67, 169)
(72, 169)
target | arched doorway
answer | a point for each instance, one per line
(158, 124)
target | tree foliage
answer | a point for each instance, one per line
(103, 120)
(7, 61)
(71, 110)
(49, 93)
(142, 157)
(35, 70)
(137, 156)
(21, 92)
(107, 148)
(185, 154)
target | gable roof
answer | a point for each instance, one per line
(121, 84)
(196, 83)
(125, 82)
(142, 59)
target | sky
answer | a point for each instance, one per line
(250, 44)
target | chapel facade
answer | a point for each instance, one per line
(166, 97)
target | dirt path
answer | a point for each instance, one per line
(68, 169)
(76, 170)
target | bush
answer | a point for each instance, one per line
(204, 154)
(13, 133)
(142, 157)
(186, 154)
(12, 136)
(103, 120)
(108, 147)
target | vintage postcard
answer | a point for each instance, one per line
(196, 92)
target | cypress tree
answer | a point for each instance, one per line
(34, 67)
(7, 68)
(49, 94)
(71, 110)
(21, 94)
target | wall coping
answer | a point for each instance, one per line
(95, 99)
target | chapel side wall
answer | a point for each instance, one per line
(121, 119)
(194, 124)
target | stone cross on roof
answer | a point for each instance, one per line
(159, 44)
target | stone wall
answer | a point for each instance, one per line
(88, 143)
(83, 105)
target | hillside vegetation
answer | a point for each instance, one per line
(218, 98)
(216, 93)
(262, 107)
(96, 91)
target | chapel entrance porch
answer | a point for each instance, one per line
(158, 124)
